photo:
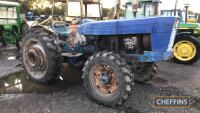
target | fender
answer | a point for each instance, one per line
(47, 29)
(51, 32)
(183, 34)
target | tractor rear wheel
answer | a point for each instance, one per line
(24, 28)
(40, 56)
(107, 79)
(144, 71)
(186, 50)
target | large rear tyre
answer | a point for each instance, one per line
(24, 28)
(107, 79)
(186, 49)
(144, 72)
(41, 56)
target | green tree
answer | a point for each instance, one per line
(27, 6)
(105, 12)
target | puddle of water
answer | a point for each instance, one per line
(18, 83)
(11, 58)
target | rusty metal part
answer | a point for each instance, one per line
(112, 83)
(35, 59)
(32, 57)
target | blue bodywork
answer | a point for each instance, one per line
(62, 30)
(149, 56)
(161, 29)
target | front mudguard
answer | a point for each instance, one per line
(53, 35)
(47, 29)
(183, 34)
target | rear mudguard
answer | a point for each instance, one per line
(183, 33)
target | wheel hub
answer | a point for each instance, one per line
(184, 50)
(105, 79)
(35, 59)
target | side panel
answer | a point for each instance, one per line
(183, 25)
(118, 27)
(162, 30)
(163, 35)
(148, 56)
(137, 26)
(99, 28)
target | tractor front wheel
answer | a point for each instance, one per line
(107, 79)
(40, 57)
(24, 28)
(144, 71)
(186, 50)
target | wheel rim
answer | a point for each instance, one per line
(184, 50)
(104, 79)
(34, 59)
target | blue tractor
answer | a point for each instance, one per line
(106, 49)
(186, 45)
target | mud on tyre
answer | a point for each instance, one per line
(41, 56)
(144, 72)
(107, 79)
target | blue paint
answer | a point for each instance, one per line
(62, 30)
(159, 28)
(105, 79)
(150, 56)
(117, 27)
(162, 31)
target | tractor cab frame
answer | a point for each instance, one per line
(146, 8)
(84, 9)
(180, 13)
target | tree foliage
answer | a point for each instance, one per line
(27, 6)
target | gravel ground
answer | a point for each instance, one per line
(20, 95)
(8, 64)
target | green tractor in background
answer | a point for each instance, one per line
(12, 26)
(186, 46)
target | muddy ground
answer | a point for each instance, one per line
(20, 95)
